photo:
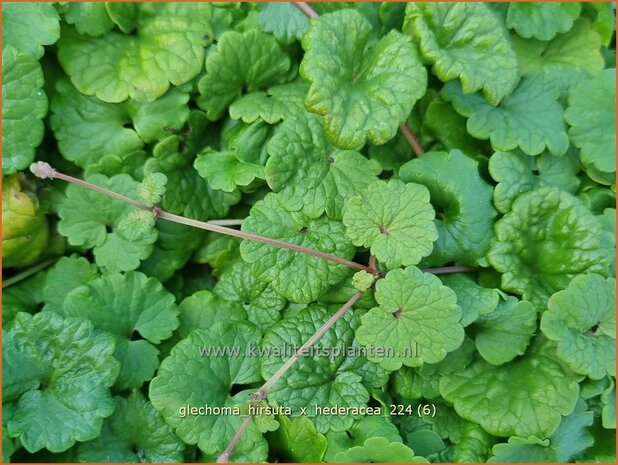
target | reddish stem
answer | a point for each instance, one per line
(305, 8)
(412, 140)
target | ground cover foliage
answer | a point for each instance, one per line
(452, 164)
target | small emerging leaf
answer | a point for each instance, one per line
(152, 188)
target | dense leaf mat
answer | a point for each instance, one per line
(461, 154)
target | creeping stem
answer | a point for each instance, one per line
(45, 171)
(262, 392)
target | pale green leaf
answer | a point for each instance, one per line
(29, 26)
(251, 60)
(364, 90)
(311, 174)
(517, 173)
(526, 397)
(394, 219)
(298, 277)
(465, 41)
(417, 320)
(592, 116)
(316, 379)
(90, 219)
(579, 47)
(530, 118)
(546, 239)
(224, 171)
(542, 20)
(582, 319)
(167, 48)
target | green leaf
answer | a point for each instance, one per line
(137, 310)
(135, 224)
(517, 173)
(67, 274)
(492, 396)
(465, 41)
(29, 26)
(259, 300)
(224, 171)
(155, 121)
(449, 128)
(474, 300)
(25, 230)
(379, 450)
(364, 90)
(168, 47)
(23, 107)
(603, 19)
(24, 296)
(504, 333)
(203, 308)
(87, 128)
(284, 20)
(423, 382)
(530, 118)
(582, 319)
(193, 197)
(174, 246)
(298, 441)
(412, 327)
(608, 412)
(296, 276)
(279, 102)
(474, 445)
(186, 379)
(394, 219)
(579, 47)
(592, 116)
(542, 20)
(310, 173)
(124, 15)
(152, 188)
(91, 219)
(136, 432)
(247, 141)
(425, 443)
(59, 372)
(363, 429)
(89, 18)
(323, 378)
(568, 441)
(362, 280)
(251, 60)
(463, 200)
(546, 239)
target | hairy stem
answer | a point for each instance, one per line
(263, 391)
(412, 140)
(450, 269)
(305, 8)
(225, 455)
(27, 273)
(45, 171)
(226, 222)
